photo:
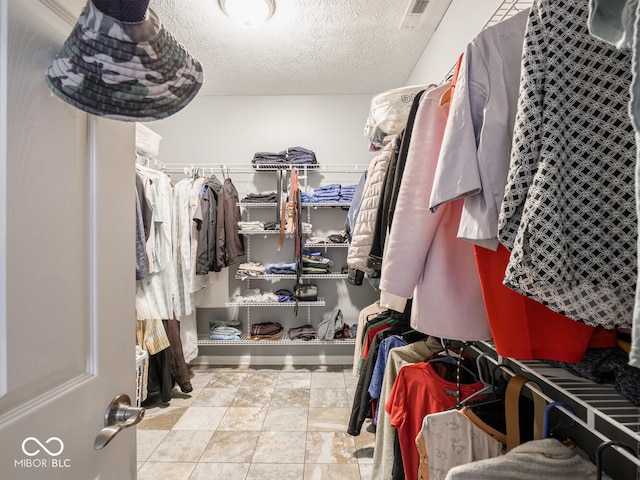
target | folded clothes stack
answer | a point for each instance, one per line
(224, 331)
(250, 269)
(305, 332)
(254, 295)
(280, 268)
(284, 295)
(315, 262)
(330, 193)
(250, 226)
(290, 156)
(266, 331)
(307, 197)
(335, 238)
(327, 193)
(260, 198)
(347, 192)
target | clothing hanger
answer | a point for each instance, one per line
(601, 448)
(452, 360)
(488, 385)
(448, 94)
(545, 425)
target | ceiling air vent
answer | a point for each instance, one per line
(420, 9)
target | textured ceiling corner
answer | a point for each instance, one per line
(309, 47)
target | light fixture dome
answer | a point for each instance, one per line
(248, 13)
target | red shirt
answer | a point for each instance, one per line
(525, 329)
(418, 391)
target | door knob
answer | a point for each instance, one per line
(119, 415)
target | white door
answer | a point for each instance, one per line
(67, 280)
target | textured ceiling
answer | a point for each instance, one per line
(308, 47)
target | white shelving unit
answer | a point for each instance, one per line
(254, 312)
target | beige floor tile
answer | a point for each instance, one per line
(180, 399)
(350, 380)
(226, 380)
(366, 471)
(147, 441)
(280, 447)
(181, 446)
(327, 368)
(294, 380)
(328, 471)
(201, 418)
(260, 379)
(139, 466)
(330, 447)
(161, 418)
(327, 380)
(220, 471)
(328, 419)
(214, 397)
(243, 418)
(231, 447)
(271, 471)
(298, 368)
(227, 368)
(290, 397)
(201, 379)
(165, 471)
(328, 397)
(252, 397)
(365, 443)
(292, 419)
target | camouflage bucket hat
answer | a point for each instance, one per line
(132, 71)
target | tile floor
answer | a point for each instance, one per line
(256, 423)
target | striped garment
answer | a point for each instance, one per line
(535, 460)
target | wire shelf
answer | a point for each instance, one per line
(205, 168)
(204, 340)
(269, 232)
(325, 245)
(304, 276)
(317, 303)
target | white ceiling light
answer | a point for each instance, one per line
(248, 13)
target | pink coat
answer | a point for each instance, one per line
(424, 259)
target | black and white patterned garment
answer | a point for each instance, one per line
(568, 214)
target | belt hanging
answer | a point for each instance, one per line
(282, 205)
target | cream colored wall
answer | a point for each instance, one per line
(231, 129)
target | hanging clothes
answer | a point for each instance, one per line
(209, 236)
(534, 460)
(451, 439)
(365, 223)
(568, 214)
(418, 391)
(618, 22)
(383, 453)
(474, 158)
(424, 259)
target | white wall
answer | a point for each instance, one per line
(462, 22)
(231, 129)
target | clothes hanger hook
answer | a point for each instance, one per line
(602, 447)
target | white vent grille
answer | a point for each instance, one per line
(419, 6)
(424, 14)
